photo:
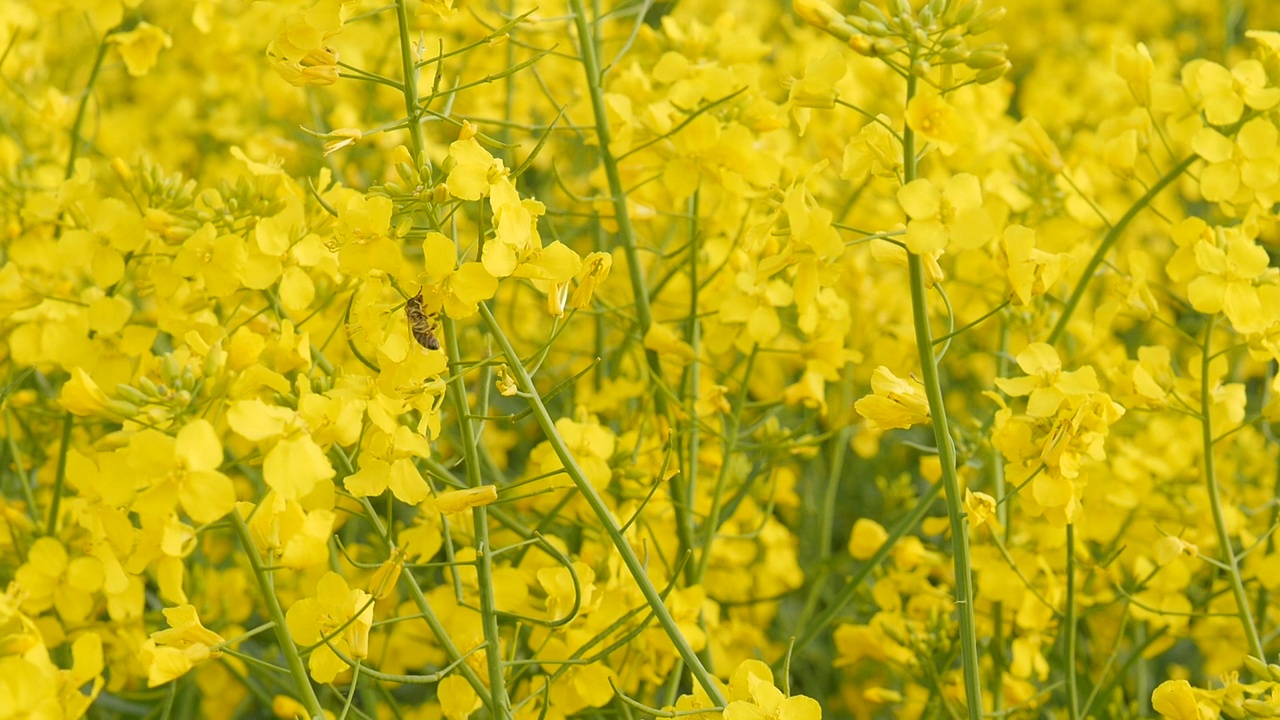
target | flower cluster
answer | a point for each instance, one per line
(899, 358)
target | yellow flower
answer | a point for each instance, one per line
(172, 653)
(51, 578)
(938, 122)
(81, 396)
(953, 215)
(457, 288)
(182, 470)
(334, 607)
(1226, 282)
(1045, 382)
(1174, 700)
(140, 47)
(1134, 64)
(1031, 272)
(866, 538)
(1223, 94)
(762, 700)
(894, 402)
(457, 698)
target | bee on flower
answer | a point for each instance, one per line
(421, 324)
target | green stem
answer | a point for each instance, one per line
(1215, 498)
(1073, 696)
(83, 108)
(60, 478)
(409, 68)
(499, 700)
(905, 525)
(712, 523)
(1109, 241)
(946, 451)
(1002, 516)
(597, 504)
(298, 671)
(617, 191)
(686, 488)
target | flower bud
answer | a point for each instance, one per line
(121, 408)
(982, 59)
(132, 394)
(1259, 708)
(960, 13)
(1256, 666)
(990, 75)
(170, 370)
(873, 13)
(986, 21)
(383, 581)
(148, 386)
(1233, 709)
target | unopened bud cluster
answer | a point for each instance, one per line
(936, 35)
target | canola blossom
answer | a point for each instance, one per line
(755, 360)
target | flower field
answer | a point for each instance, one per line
(448, 359)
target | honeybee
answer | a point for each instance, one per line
(422, 326)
